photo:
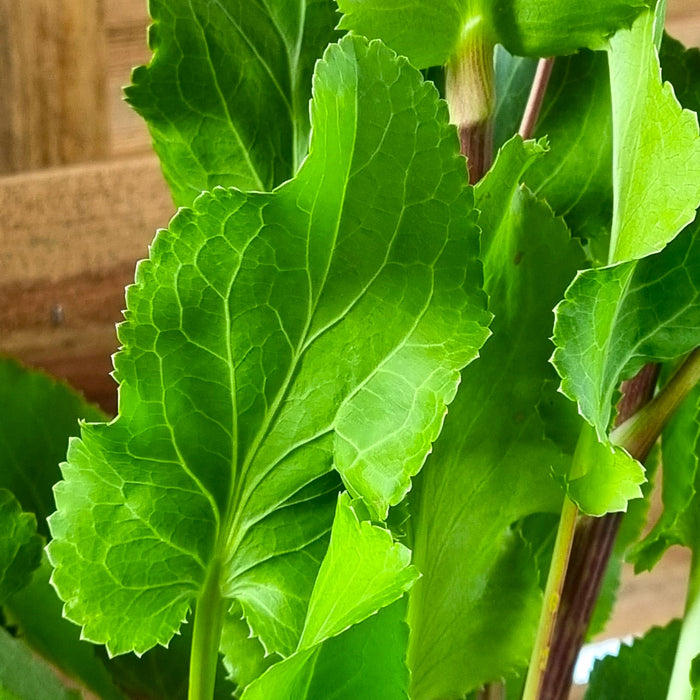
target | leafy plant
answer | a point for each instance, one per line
(313, 487)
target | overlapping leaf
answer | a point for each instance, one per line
(642, 670)
(363, 572)
(366, 661)
(268, 339)
(656, 149)
(226, 93)
(20, 546)
(491, 466)
(616, 319)
(680, 519)
(431, 33)
(23, 676)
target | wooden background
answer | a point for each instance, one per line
(81, 196)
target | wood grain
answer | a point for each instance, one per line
(69, 240)
(52, 87)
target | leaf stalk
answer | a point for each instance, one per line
(208, 623)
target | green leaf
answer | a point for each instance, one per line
(226, 93)
(616, 319)
(491, 466)
(642, 670)
(656, 149)
(36, 613)
(366, 661)
(37, 416)
(681, 67)
(362, 572)
(269, 338)
(23, 676)
(575, 178)
(431, 33)
(20, 546)
(680, 519)
(603, 478)
(243, 654)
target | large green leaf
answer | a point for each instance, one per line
(491, 466)
(20, 546)
(616, 319)
(656, 149)
(642, 670)
(366, 661)
(270, 338)
(226, 93)
(430, 33)
(38, 414)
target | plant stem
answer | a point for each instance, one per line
(689, 643)
(638, 434)
(536, 98)
(552, 595)
(594, 539)
(208, 622)
(469, 87)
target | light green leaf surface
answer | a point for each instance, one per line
(37, 416)
(269, 338)
(680, 519)
(681, 67)
(603, 477)
(363, 571)
(616, 319)
(656, 149)
(491, 466)
(226, 93)
(642, 670)
(366, 661)
(429, 33)
(20, 546)
(23, 676)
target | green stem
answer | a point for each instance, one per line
(552, 595)
(689, 643)
(208, 622)
(638, 434)
(469, 88)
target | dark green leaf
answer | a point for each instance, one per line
(20, 546)
(642, 670)
(366, 661)
(226, 93)
(656, 149)
(37, 416)
(491, 465)
(36, 614)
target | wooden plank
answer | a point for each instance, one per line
(52, 88)
(69, 240)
